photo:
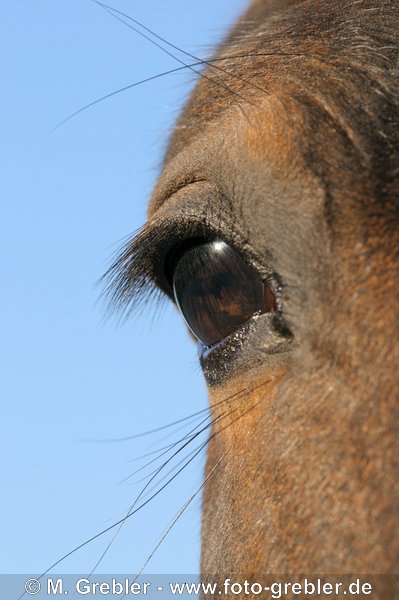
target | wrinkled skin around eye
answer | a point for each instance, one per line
(217, 291)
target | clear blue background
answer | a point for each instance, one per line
(67, 198)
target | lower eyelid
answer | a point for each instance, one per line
(264, 341)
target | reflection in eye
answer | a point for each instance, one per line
(217, 291)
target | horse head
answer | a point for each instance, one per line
(274, 228)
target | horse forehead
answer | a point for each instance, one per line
(254, 150)
(310, 82)
(316, 51)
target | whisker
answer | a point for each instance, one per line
(170, 447)
(114, 93)
(141, 494)
(187, 460)
(182, 68)
(142, 505)
(111, 11)
(214, 434)
(178, 421)
(189, 435)
(149, 432)
(167, 436)
(165, 41)
(157, 471)
(101, 533)
(199, 447)
(181, 511)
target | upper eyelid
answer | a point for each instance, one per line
(166, 193)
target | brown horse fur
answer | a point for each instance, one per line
(289, 150)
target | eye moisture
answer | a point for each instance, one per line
(217, 291)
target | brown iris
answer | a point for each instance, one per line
(217, 291)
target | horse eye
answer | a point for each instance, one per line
(217, 291)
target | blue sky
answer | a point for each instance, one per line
(68, 198)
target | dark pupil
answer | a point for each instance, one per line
(217, 291)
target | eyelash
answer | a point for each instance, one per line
(128, 284)
(140, 275)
